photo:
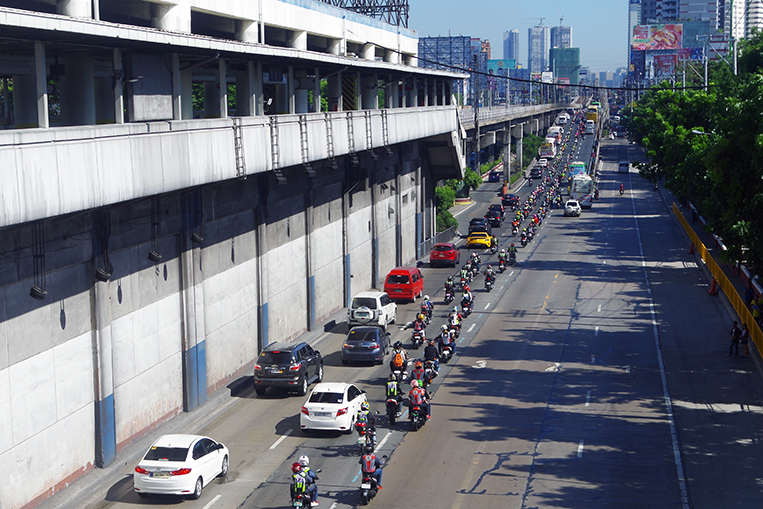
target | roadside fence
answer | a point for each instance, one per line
(444, 236)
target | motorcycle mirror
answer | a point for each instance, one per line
(319, 470)
(385, 457)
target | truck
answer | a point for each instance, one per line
(623, 167)
(563, 119)
(581, 189)
(590, 127)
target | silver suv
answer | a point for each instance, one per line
(372, 308)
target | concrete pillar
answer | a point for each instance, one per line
(335, 92)
(371, 185)
(41, 81)
(105, 423)
(259, 99)
(177, 89)
(262, 265)
(368, 52)
(394, 93)
(75, 8)
(346, 265)
(300, 94)
(291, 91)
(507, 156)
(398, 223)
(172, 17)
(310, 277)
(426, 91)
(246, 30)
(369, 92)
(414, 91)
(519, 154)
(222, 80)
(298, 40)
(211, 100)
(78, 91)
(392, 56)
(104, 100)
(193, 343)
(244, 95)
(334, 47)
(317, 91)
(118, 94)
(186, 91)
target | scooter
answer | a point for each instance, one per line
(303, 499)
(501, 266)
(392, 410)
(365, 436)
(448, 296)
(512, 259)
(418, 419)
(369, 487)
(417, 338)
(488, 284)
(447, 354)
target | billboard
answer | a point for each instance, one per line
(651, 37)
(547, 77)
(498, 65)
(691, 54)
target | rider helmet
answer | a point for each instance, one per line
(304, 460)
(426, 297)
(450, 278)
(419, 365)
(414, 384)
(364, 406)
(420, 317)
(398, 345)
(489, 266)
(455, 309)
(391, 377)
(295, 467)
(466, 288)
(512, 244)
(503, 251)
(444, 327)
(369, 449)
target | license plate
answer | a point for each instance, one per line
(398, 291)
(322, 414)
(159, 474)
(366, 486)
(275, 370)
(361, 440)
(297, 504)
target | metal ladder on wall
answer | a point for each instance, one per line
(239, 144)
(275, 151)
(351, 140)
(330, 141)
(385, 132)
(304, 146)
(369, 135)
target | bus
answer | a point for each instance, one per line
(548, 148)
(576, 168)
(581, 190)
(593, 113)
(555, 132)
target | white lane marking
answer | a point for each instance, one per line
(333, 506)
(596, 331)
(666, 393)
(599, 309)
(383, 440)
(588, 398)
(627, 369)
(580, 448)
(288, 432)
(488, 305)
(480, 364)
(211, 502)
(470, 328)
(512, 273)
(554, 368)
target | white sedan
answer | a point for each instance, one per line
(331, 406)
(180, 465)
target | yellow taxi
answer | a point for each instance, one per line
(478, 239)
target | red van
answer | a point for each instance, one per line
(404, 283)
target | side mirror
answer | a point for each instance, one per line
(319, 470)
(317, 352)
(387, 333)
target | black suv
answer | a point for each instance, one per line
(480, 224)
(289, 365)
(536, 172)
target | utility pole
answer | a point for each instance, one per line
(475, 66)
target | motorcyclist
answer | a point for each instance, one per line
(420, 374)
(455, 319)
(418, 397)
(449, 284)
(490, 274)
(464, 272)
(399, 358)
(512, 252)
(466, 298)
(419, 325)
(622, 188)
(365, 415)
(502, 256)
(427, 306)
(310, 477)
(431, 353)
(448, 338)
(394, 391)
(300, 483)
(476, 258)
(370, 464)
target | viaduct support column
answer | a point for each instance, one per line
(41, 80)
(369, 92)
(78, 91)
(374, 230)
(105, 423)
(222, 81)
(310, 277)
(262, 262)
(335, 92)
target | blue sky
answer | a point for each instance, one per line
(599, 27)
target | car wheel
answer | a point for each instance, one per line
(197, 489)
(319, 378)
(224, 467)
(349, 430)
(345, 362)
(303, 386)
(142, 495)
(394, 317)
(260, 390)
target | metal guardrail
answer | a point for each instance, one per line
(502, 113)
(736, 300)
(444, 236)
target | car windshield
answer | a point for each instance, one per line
(361, 335)
(359, 302)
(398, 279)
(167, 454)
(479, 235)
(274, 358)
(327, 397)
(442, 248)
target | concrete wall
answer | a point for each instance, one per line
(48, 378)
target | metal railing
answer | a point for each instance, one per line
(736, 300)
(444, 236)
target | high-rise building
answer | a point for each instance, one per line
(648, 12)
(565, 63)
(667, 10)
(753, 17)
(634, 18)
(699, 10)
(485, 47)
(539, 42)
(561, 37)
(511, 45)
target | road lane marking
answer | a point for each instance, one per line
(488, 305)
(383, 440)
(480, 364)
(554, 368)
(288, 432)
(333, 506)
(512, 273)
(470, 328)
(588, 398)
(599, 310)
(211, 502)
(580, 448)
(596, 331)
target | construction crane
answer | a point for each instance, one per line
(541, 20)
(561, 16)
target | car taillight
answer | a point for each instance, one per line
(295, 367)
(257, 367)
(182, 471)
(347, 346)
(341, 411)
(141, 470)
(305, 411)
(372, 347)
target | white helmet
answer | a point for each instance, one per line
(414, 383)
(304, 460)
(444, 327)
(426, 297)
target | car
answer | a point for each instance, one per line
(365, 344)
(509, 200)
(536, 172)
(372, 308)
(572, 208)
(494, 218)
(290, 366)
(479, 239)
(480, 224)
(331, 406)
(180, 465)
(543, 162)
(497, 207)
(494, 176)
(444, 254)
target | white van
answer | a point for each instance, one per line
(623, 167)
(590, 127)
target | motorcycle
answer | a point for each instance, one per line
(401, 375)
(448, 296)
(501, 266)
(524, 241)
(303, 499)
(430, 369)
(418, 418)
(427, 312)
(512, 259)
(466, 310)
(365, 436)
(493, 248)
(417, 338)
(514, 231)
(488, 284)
(392, 410)
(447, 354)
(368, 487)
(622, 190)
